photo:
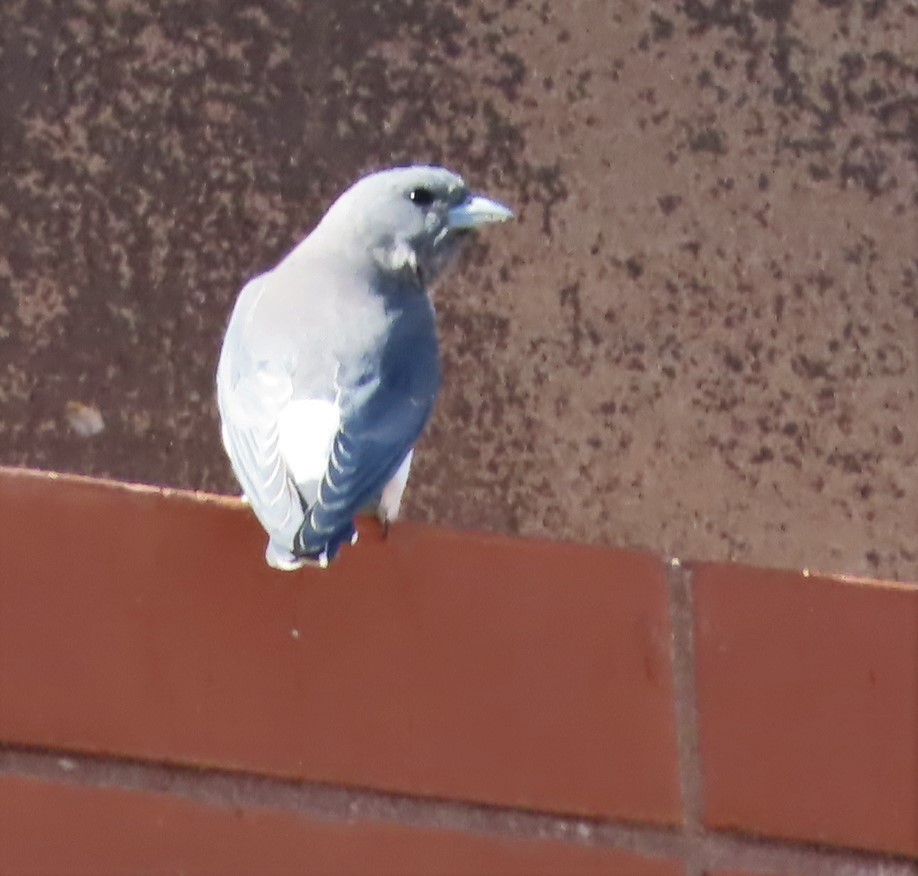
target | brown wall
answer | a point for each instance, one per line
(700, 336)
(437, 702)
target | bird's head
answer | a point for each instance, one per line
(410, 218)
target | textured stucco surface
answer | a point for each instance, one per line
(701, 336)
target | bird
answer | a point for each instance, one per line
(330, 367)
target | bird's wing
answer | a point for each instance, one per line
(385, 395)
(252, 395)
(379, 426)
(251, 409)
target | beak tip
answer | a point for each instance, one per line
(479, 210)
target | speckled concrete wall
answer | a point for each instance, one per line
(701, 336)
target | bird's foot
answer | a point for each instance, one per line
(382, 516)
(324, 555)
(381, 513)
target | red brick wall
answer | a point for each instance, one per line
(441, 702)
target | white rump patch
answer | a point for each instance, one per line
(306, 432)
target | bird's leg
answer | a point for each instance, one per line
(381, 513)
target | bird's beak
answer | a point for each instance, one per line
(477, 210)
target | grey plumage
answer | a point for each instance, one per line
(330, 369)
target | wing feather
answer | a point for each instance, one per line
(252, 395)
(369, 447)
(251, 408)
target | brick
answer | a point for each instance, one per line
(436, 663)
(808, 706)
(57, 828)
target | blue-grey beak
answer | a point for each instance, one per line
(477, 210)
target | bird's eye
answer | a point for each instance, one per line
(422, 197)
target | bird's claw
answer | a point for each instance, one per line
(324, 555)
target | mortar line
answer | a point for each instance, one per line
(335, 804)
(708, 849)
(331, 803)
(682, 617)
